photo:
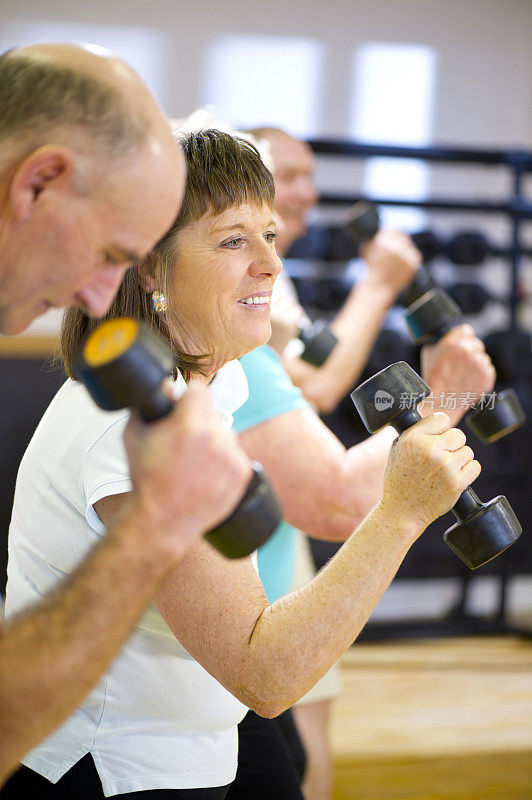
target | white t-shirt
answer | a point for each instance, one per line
(157, 719)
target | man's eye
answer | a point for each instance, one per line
(111, 260)
(287, 176)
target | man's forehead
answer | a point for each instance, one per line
(288, 152)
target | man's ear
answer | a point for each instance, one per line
(49, 168)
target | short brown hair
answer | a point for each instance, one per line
(222, 171)
(39, 96)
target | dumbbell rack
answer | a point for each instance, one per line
(516, 207)
(518, 210)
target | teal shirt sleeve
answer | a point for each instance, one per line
(271, 392)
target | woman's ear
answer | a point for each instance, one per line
(146, 275)
(48, 169)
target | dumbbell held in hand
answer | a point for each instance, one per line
(363, 223)
(318, 342)
(431, 313)
(482, 530)
(430, 318)
(124, 365)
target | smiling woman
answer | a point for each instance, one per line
(225, 268)
(215, 266)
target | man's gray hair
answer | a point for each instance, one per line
(39, 97)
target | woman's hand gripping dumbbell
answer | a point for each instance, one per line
(124, 365)
(482, 530)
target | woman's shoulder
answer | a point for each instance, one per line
(72, 423)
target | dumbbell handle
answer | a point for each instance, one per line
(419, 285)
(364, 224)
(468, 503)
(155, 406)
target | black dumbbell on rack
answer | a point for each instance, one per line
(482, 530)
(123, 365)
(430, 314)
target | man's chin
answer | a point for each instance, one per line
(13, 323)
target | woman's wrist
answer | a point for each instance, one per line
(403, 524)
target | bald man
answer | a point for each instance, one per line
(85, 157)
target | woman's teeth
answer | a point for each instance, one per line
(256, 301)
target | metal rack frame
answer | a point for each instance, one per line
(518, 209)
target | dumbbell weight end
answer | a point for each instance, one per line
(489, 424)
(479, 537)
(319, 342)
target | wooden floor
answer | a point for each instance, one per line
(445, 719)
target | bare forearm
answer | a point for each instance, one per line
(299, 637)
(52, 655)
(356, 326)
(268, 657)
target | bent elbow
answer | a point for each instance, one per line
(336, 527)
(269, 708)
(323, 400)
(326, 404)
(270, 698)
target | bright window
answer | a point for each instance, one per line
(392, 103)
(265, 80)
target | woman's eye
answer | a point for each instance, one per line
(270, 237)
(233, 244)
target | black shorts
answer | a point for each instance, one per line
(271, 759)
(82, 782)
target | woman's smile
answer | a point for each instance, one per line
(258, 302)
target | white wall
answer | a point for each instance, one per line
(483, 49)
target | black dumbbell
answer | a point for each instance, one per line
(363, 222)
(430, 318)
(428, 243)
(123, 365)
(482, 530)
(319, 341)
(471, 298)
(326, 243)
(431, 313)
(511, 352)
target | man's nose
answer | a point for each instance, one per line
(98, 296)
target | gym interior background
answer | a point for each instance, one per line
(407, 73)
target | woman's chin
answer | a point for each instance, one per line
(261, 338)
